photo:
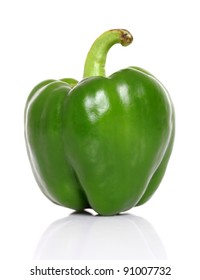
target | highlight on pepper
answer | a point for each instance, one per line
(103, 142)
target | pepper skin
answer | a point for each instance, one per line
(104, 142)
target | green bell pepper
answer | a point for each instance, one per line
(104, 142)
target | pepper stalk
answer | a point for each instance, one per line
(96, 58)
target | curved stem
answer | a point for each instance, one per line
(96, 58)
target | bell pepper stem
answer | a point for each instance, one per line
(96, 58)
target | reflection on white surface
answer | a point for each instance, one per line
(84, 236)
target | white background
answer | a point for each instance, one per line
(50, 39)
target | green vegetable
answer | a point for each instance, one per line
(102, 143)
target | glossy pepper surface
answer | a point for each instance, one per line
(104, 142)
